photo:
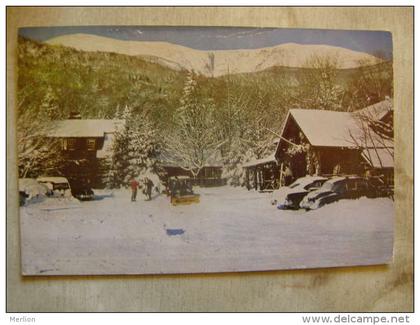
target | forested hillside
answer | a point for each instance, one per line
(240, 109)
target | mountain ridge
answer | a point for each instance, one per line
(218, 62)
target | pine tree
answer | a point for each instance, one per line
(134, 150)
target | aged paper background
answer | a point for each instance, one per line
(375, 288)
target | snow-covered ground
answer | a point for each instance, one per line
(231, 229)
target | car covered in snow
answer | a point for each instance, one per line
(337, 188)
(57, 186)
(289, 197)
(82, 192)
(29, 189)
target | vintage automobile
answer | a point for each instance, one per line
(337, 188)
(289, 197)
(181, 191)
(57, 186)
(81, 189)
(380, 188)
(30, 189)
(82, 192)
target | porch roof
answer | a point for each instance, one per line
(262, 161)
(379, 158)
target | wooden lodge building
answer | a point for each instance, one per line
(322, 142)
(84, 143)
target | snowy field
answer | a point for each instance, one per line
(231, 229)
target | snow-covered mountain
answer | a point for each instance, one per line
(216, 63)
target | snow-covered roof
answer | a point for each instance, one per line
(308, 179)
(94, 128)
(261, 161)
(181, 177)
(53, 179)
(26, 184)
(324, 128)
(336, 179)
(379, 158)
(377, 111)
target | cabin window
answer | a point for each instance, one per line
(69, 144)
(90, 144)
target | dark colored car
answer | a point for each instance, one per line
(82, 193)
(22, 198)
(289, 197)
(351, 187)
(380, 188)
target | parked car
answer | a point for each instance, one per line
(337, 188)
(22, 198)
(30, 189)
(57, 186)
(289, 197)
(380, 188)
(82, 192)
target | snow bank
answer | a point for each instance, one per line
(231, 229)
(34, 191)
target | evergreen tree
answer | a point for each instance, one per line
(134, 150)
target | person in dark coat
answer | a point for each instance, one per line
(134, 186)
(148, 184)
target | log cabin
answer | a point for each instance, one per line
(84, 145)
(326, 142)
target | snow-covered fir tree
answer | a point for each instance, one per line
(134, 149)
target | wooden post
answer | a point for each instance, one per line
(318, 165)
(255, 179)
(247, 178)
(281, 175)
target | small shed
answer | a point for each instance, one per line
(209, 175)
(262, 174)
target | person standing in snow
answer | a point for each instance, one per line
(288, 175)
(134, 185)
(148, 184)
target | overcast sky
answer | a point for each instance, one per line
(224, 38)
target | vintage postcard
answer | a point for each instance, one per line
(149, 150)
